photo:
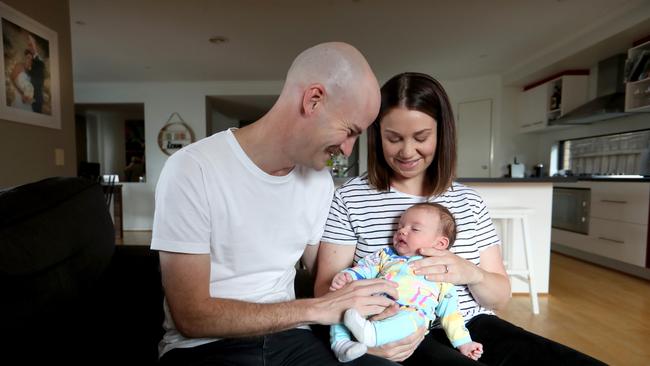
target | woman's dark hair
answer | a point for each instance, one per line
(420, 92)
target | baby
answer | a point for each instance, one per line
(424, 225)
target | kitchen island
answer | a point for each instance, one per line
(533, 193)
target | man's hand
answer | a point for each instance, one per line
(400, 350)
(340, 280)
(362, 295)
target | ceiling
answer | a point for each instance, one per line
(167, 40)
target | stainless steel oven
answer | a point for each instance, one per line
(571, 209)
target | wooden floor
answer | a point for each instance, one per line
(600, 312)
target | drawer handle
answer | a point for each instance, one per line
(613, 201)
(612, 240)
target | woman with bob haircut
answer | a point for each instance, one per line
(412, 159)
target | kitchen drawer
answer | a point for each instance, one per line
(618, 240)
(612, 239)
(627, 202)
(571, 239)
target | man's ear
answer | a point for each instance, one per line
(312, 98)
(441, 243)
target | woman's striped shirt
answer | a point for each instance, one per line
(362, 216)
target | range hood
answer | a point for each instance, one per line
(610, 100)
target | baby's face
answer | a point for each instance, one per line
(418, 228)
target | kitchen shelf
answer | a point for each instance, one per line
(637, 93)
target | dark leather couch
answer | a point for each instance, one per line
(67, 292)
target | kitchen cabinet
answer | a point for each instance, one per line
(532, 111)
(551, 100)
(625, 202)
(618, 224)
(618, 240)
(637, 87)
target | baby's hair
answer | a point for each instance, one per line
(447, 222)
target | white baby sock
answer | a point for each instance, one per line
(347, 350)
(362, 329)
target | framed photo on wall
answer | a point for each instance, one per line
(29, 81)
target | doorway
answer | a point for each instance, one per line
(111, 138)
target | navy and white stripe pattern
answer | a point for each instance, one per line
(362, 216)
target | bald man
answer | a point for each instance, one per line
(236, 211)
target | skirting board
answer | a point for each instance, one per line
(603, 261)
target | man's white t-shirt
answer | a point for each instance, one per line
(212, 199)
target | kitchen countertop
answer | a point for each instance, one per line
(571, 179)
(519, 180)
(340, 180)
(617, 178)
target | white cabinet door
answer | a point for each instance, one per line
(532, 111)
(474, 129)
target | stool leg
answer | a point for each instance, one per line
(529, 264)
(506, 246)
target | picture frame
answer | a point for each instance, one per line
(29, 81)
(175, 135)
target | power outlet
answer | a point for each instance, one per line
(59, 157)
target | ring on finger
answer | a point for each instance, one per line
(446, 268)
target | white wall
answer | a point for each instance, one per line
(503, 118)
(188, 99)
(507, 142)
(160, 101)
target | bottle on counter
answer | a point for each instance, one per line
(556, 101)
(516, 169)
(538, 171)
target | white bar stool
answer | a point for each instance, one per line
(512, 215)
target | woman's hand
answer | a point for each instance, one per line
(488, 282)
(445, 266)
(400, 350)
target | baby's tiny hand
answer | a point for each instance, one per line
(473, 350)
(340, 280)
